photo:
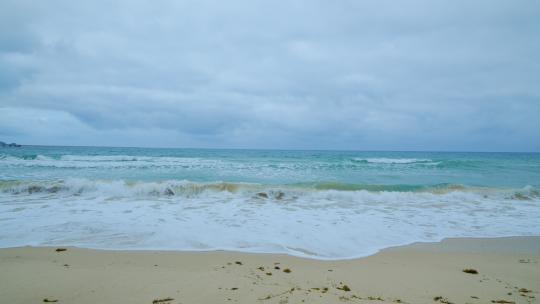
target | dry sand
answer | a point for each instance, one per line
(419, 273)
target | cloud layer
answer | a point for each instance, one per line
(370, 75)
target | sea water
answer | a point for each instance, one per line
(317, 204)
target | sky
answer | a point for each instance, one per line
(299, 74)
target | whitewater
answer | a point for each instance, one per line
(316, 204)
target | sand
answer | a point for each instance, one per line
(418, 273)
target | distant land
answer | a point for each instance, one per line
(3, 144)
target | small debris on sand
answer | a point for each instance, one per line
(524, 290)
(268, 297)
(287, 270)
(470, 271)
(47, 300)
(344, 288)
(164, 300)
(60, 249)
(442, 300)
(238, 263)
(503, 302)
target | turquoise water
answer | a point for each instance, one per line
(273, 167)
(320, 204)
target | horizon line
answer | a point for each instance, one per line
(277, 149)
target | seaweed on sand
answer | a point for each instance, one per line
(442, 300)
(164, 300)
(270, 296)
(344, 288)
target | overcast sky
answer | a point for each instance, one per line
(367, 75)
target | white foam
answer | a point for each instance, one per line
(393, 160)
(108, 161)
(322, 224)
(119, 161)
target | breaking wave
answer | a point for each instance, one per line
(315, 220)
(171, 188)
(317, 204)
(129, 161)
(103, 161)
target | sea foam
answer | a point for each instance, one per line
(317, 204)
(392, 160)
(294, 219)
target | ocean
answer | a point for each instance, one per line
(315, 204)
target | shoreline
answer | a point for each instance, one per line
(416, 273)
(447, 244)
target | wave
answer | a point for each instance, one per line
(315, 220)
(185, 188)
(393, 160)
(124, 158)
(141, 162)
(104, 161)
(233, 164)
(119, 188)
(308, 204)
(368, 187)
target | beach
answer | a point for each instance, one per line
(170, 226)
(267, 152)
(508, 272)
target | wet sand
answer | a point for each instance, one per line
(508, 272)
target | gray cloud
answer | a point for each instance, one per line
(414, 75)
